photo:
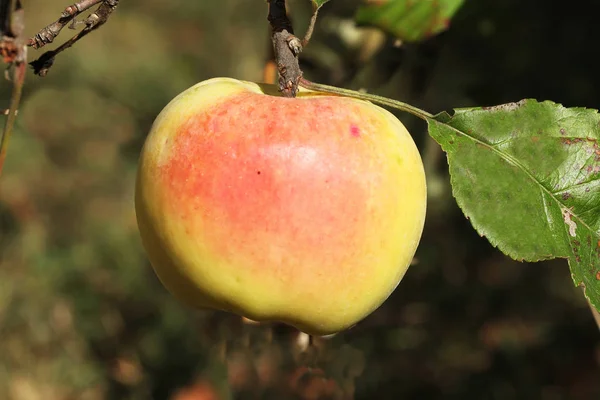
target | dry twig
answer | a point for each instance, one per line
(287, 48)
(14, 53)
(68, 16)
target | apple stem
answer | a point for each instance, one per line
(417, 112)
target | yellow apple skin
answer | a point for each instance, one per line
(306, 211)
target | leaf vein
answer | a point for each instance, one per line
(510, 159)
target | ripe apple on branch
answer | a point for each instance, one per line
(280, 204)
(304, 210)
(306, 250)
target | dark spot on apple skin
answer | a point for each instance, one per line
(257, 172)
(354, 131)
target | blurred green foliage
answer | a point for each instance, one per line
(82, 315)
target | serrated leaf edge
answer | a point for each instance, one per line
(502, 155)
(444, 119)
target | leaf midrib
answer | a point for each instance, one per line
(510, 159)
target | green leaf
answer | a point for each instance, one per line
(527, 175)
(319, 3)
(408, 20)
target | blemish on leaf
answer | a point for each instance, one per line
(566, 195)
(563, 131)
(354, 131)
(505, 107)
(578, 259)
(598, 276)
(567, 217)
(570, 141)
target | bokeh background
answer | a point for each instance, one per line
(82, 315)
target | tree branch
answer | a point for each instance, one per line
(50, 32)
(287, 47)
(14, 53)
(11, 30)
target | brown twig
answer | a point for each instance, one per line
(287, 47)
(50, 32)
(14, 53)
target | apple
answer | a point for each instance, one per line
(306, 210)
